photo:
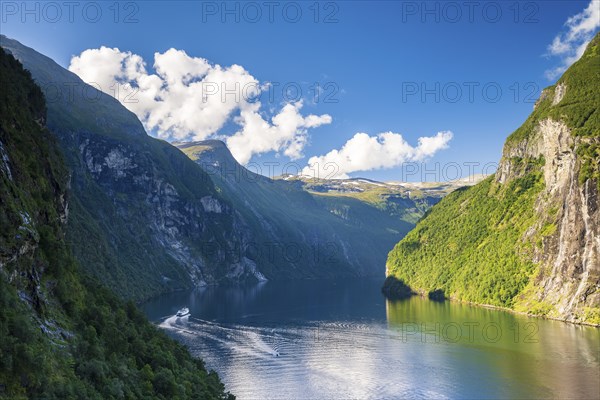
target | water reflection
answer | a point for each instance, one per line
(545, 358)
(342, 339)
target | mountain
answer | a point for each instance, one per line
(143, 218)
(296, 235)
(346, 225)
(405, 201)
(61, 334)
(526, 238)
(290, 240)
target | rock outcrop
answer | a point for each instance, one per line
(568, 281)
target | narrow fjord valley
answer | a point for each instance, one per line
(160, 222)
(143, 256)
(137, 216)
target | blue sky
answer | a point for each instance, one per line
(369, 54)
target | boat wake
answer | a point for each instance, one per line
(246, 341)
(174, 322)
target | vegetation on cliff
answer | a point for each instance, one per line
(495, 242)
(137, 222)
(62, 335)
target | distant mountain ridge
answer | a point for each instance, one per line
(357, 221)
(528, 237)
(407, 201)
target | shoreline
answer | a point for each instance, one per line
(387, 297)
(500, 308)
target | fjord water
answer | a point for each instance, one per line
(342, 339)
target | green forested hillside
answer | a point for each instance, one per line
(62, 335)
(468, 245)
(524, 238)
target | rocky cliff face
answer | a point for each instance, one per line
(527, 238)
(568, 216)
(201, 232)
(144, 218)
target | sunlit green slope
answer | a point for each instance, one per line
(526, 238)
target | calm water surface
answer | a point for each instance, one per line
(325, 339)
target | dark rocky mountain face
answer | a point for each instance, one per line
(144, 218)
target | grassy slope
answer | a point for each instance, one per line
(470, 244)
(63, 336)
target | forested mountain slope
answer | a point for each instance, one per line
(62, 335)
(142, 214)
(528, 237)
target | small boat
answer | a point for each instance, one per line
(184, 312)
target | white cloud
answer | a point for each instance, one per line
(364, 153)
(570, 45)
(187, 98)
(287, 130)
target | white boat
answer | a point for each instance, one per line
(184, 312)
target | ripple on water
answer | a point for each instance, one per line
(288, 346)
(312, 359)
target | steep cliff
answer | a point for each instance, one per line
(144, 218)
(564, 131)
(61, 334)
(527, 238)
